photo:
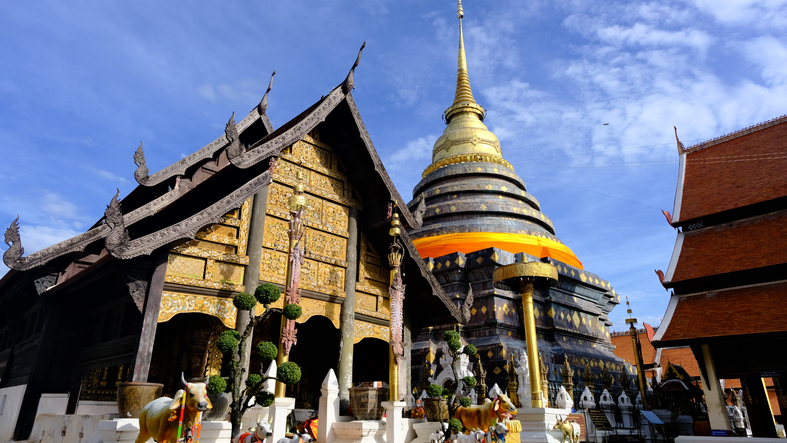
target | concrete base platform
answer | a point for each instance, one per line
(537, 425)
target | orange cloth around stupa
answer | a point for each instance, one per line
(467, 242)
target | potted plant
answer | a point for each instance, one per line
(219, 398)
(436, 405)
(233, 343)
(435, 411)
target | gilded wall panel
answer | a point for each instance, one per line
(243, 228)
(367, 330)
(173, 303)
(287, 172)
(312, 212)
(325, 246)
(273, 266)
(276, 234)
(309, 276)
(331, 279)
(213, 237)
(205, 249)
(278, 195)
(184, 266)
(365, 301)
(312, 155)
(223, 230)
(335, 217)
(313, 307)
(228, 273)
(375, 288)
(203, 283)
(328, 184)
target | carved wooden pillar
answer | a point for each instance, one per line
(347, 324)
(147, 335)
(251, 278)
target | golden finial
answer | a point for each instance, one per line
(465, 137)
(464, 95)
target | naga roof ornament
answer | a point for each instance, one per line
(14, 241)
(231, 132)
(141, 174)
(681, 147)
(262, 108)
(349, 82)
(118, 236)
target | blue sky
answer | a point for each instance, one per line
(81, 83)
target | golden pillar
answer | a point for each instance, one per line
(522, 278)
(296, 203)
(638, 356)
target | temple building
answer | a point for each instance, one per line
(728, 266)
(143, 294)
(478, 216)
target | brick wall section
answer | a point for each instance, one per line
(625, 349)
(719, 314)
(742, 245)
(683, 357)
(744, 170)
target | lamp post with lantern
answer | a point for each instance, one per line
(296, 203)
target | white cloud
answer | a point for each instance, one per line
(760, 13)
(415, 152)
(56, 206)
(244, 90)
(646, 35)
(37, 237)
(110, 176)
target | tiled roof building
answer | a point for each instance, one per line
(728, 268)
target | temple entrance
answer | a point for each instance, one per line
(317, 351)
(182, 346)
(370, 361)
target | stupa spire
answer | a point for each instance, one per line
(463, 91)
(463, 100)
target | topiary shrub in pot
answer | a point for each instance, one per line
(219, 398)
(436, 405)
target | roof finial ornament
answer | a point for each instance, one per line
(263, 106)
(14, 241)
(681, 148)
(141, 174)
(118, 235)
(349, 84)
(460, 13)
(233, 138)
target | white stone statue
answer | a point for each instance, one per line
(473, 396)
(495, 391)
(563, 400)
(523, 379)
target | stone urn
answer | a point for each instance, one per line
(132, 397)
(436, 409)
(366, 402)
(221, 407)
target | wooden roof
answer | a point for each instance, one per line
(162, 211)
(733, 312)
(734, 171)
(743, 245)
